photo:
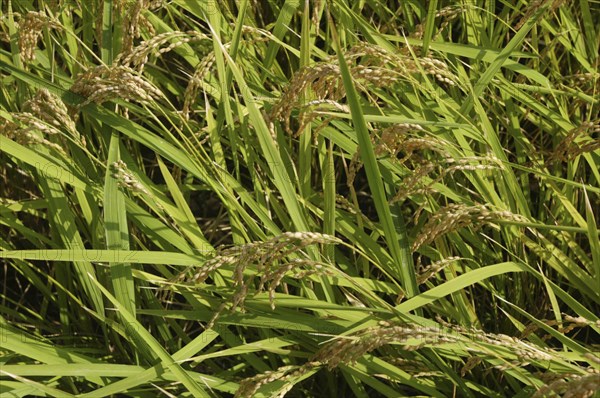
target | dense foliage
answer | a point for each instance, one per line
(320, 198)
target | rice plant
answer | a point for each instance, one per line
(318, 198)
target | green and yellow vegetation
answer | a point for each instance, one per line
(303, 198)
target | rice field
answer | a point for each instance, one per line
(299, 198)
